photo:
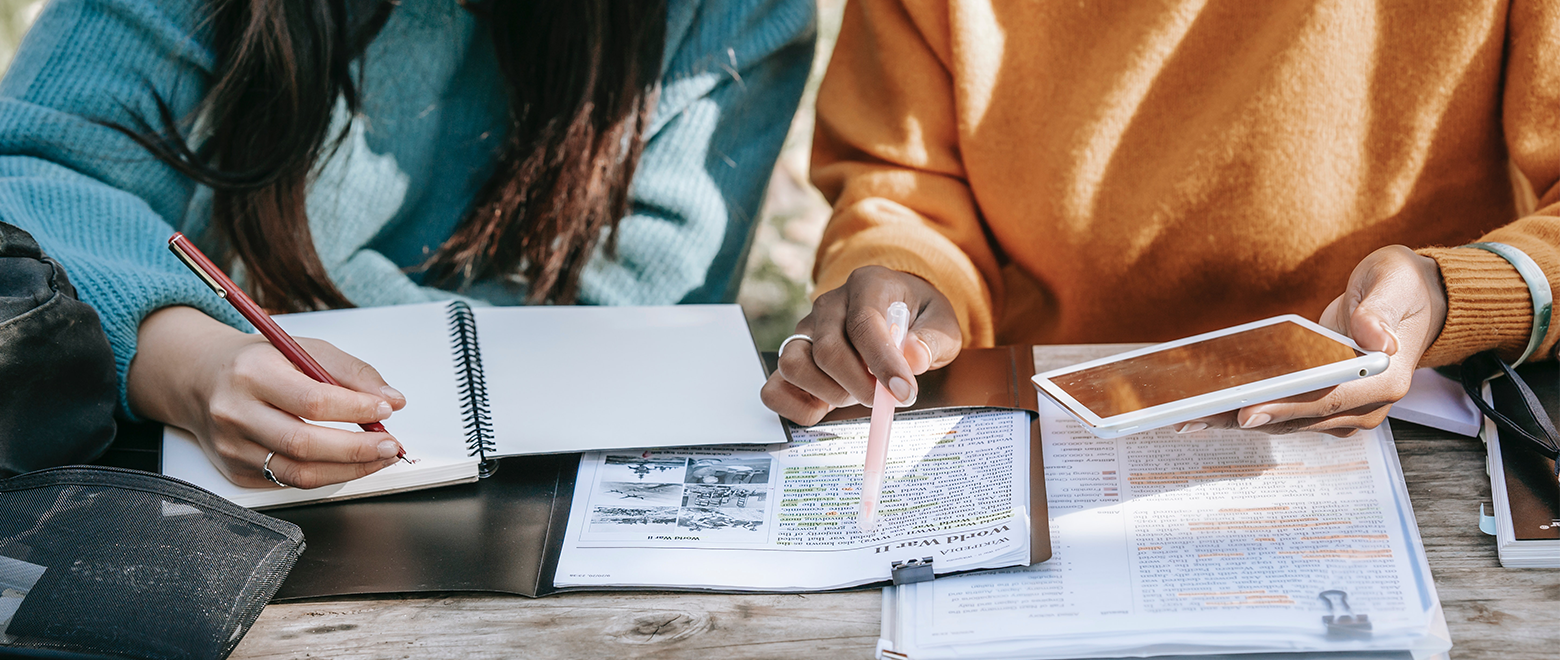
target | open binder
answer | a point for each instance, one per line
(505, 533)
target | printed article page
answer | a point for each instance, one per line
(784, 516)
(1168, 536)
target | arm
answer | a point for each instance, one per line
(92, 197)
(1442, 305)
(1489, 306)
(905, 224)
(105, 208)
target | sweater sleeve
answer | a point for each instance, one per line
(1488, 306)
(886, 155)
(94, 199)
(734, 74)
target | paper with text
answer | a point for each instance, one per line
(783, 516)
(1167, 539)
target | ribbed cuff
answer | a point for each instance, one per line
(969, 296)
(1487, 307)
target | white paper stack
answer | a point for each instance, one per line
(1216, 542)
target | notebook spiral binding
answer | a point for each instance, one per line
(473, 387)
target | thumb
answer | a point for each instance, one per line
(1374, 320)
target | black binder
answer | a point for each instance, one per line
(505, 533)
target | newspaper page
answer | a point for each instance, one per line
(1222, 538)
(784, 516)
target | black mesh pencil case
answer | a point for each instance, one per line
(132, 564)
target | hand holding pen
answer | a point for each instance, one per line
(243, 399)
(841, 350)
(883, 403)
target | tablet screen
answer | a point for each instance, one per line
(1207, 366)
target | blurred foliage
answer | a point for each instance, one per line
(778, 282)
(15, 17)
(776, 291)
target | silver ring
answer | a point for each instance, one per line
(269, 475)
(788, 340)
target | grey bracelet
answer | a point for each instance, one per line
(1538, 290)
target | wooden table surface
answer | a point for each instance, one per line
(1512, 614)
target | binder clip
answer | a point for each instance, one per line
(911, 571)
(1343, 623)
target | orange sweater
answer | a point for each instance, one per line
(1141, 170)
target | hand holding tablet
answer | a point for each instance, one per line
(1207, 374)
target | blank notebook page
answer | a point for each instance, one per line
(565, 379)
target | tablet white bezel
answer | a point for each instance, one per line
(1211, 403)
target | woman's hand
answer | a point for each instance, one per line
(242, 399)
(1395, 303)
(850, 343)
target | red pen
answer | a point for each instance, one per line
(227, 290)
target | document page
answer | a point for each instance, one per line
(1221, 538)
(784, 516)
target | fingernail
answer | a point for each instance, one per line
(927, 347)
(1392, 341)
(1192, 427)
(392, 393)
(383, 410)
(901, 389)
(1256, 420)
(389, 449)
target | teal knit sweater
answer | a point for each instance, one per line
(432, 117)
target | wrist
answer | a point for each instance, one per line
(167, 380)
(1539, 294)
(1488, 306)
(1430, 277)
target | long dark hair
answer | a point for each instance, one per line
(581, 76)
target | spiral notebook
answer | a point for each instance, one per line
(487, 382)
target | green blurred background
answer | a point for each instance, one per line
(778, 281)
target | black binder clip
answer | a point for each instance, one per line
(911, 571)
(1343, 623)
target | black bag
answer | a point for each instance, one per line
(57, 380)
(128, 564)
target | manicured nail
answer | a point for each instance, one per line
(1192, 427)
(383, 410)
(1256, 420)
(389, 449)
(392, 393)
(901, 389)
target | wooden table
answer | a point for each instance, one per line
(1513, 614)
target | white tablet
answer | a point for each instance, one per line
(1207, 374)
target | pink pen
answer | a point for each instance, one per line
(883, 403)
